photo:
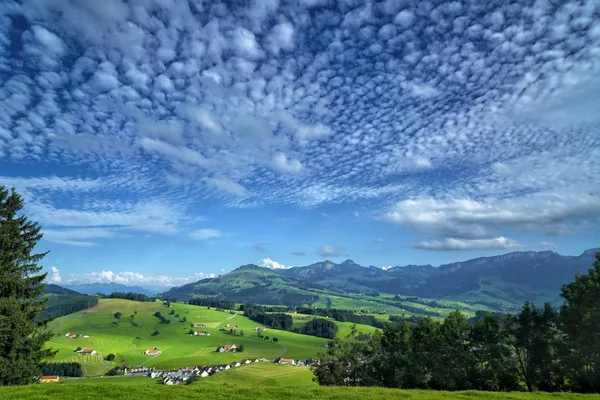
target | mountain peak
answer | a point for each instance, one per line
(348, 261)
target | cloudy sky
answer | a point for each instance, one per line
(161, 141)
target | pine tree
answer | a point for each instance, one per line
(22, 335)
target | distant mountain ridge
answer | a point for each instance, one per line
(513, 277)
(108, 288)
(509, 278)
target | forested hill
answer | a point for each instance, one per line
(251, 284)
(62, 301)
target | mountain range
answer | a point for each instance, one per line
(505, 279)
(108, 288)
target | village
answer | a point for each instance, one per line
(189, 374)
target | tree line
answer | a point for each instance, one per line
(131, 296)
(539, 348)
(63, 369)
(57, 306)
(343, 316)
(212, 302)
(275, 321)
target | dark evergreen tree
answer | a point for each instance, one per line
(22, 333)
(581, 323)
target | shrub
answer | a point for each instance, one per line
(110, 357)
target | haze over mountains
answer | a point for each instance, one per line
(510, 278)
(108, 288)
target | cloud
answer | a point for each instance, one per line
(283, 164)
(134, 278)
(386, 267)
(499, 243)
(177, 153)
(54, 276)
(331, 251)
(204, 234)
(272, 264)
(227, 186)
(76, 237)
(298, 253)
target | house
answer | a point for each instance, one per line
(198, 325)
(87, 351)
(204, 374)
(260, 329)
(155, 374)
(232, 326)
(49, 379)
(234, 364)
(247, 361)
(70, 335)
(286, 361)
(201, 333)
(154, 352)
(227, 347)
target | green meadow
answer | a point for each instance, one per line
(130, 335)
(344, 328)
(255, 381)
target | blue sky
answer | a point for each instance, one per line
(159, 142)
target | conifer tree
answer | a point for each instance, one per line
(22, 335)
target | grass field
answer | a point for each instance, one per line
(344, 328)
(130, 335)
(115, 389)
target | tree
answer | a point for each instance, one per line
(240, 348)
(22, 334)
(275, 339)
(110, 357)
(581, 324)
(118, 314)
(191, 332)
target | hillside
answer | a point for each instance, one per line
(61, 301)
(132, 333)
(515, 277)
(250, 284)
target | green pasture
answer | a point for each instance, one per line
(130, 335)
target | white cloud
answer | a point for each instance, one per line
(204, 234)
(422, 90)
(386, 267)
(178, 153)
(227, 186)
(283, 164)
(499, 243)
(54, 275)
(75, 237)
(135, 278)
(331, 251)
(272, 264)
(51, 42)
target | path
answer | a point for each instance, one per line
(226, 319)
(149, 359)
(282, 351)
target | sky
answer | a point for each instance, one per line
(158, 142)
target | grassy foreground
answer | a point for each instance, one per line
(115, 390)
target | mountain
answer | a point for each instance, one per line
(249, 283)
(514, 277)
(352, 277)
(517, 276)
(108, 288)
(61, 301)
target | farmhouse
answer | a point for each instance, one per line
(287, 361)
(201, 333)
(232, 326)
(260, 329)
(87, 351)
(70, 335)
(49, 379)
(198, 325)
(154, 352)
(227, 347)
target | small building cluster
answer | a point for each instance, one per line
(201, 333)
(86, 351)
(260, 329)
(198, 325)
(227, 347)
(70, 335)
(153, 352)
(184, 374)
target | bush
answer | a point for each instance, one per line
(240, 349)
(118, 315)
(110, 357)
(275, 339)
(155, 333)
(78, 348)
